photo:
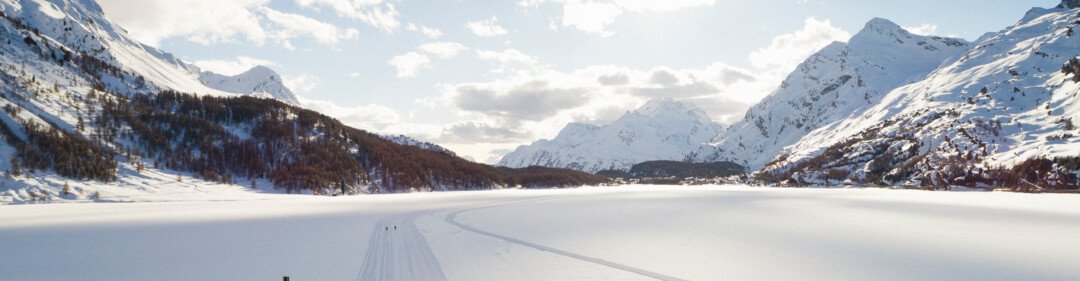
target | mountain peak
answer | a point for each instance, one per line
(881, 24)
(258, 81)
(260, 71)
(662, 129)
(877, 27)
(655, 105)
(668, 106)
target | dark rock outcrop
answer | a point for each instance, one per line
(1070, 4)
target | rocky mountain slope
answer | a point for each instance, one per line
(662, 129)
(838, 82)
(1001, 114)
(82, 29)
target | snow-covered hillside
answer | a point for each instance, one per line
(1007, 100)
(406, 140)
(81, 27)
(662, 129)
(56, 58)
(259, 81)
(840, 81)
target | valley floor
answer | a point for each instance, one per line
(608, 233)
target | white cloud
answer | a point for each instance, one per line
(301, 83)
(528, 101)
(370, 117)
(433, 33)
(232, 67)
(923, 29)
(661, 6)
(291, 26)
(509, 60)
(476, 132)
(375, 13)
(210, 22)
(788, 50)
(506, 56)
(486, 27)
(203, 22)
(443, 50)
(593, 16)
(663, 77)
(531, 3)
(410, 64)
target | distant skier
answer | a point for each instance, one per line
(387, 228)
(395, 227)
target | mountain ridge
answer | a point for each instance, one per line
(258, 81)
(999, 115)
(661, 129)
(838, 81)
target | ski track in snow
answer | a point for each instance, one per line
(451, 218)
(401, 253)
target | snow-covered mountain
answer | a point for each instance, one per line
(81, 27)
(840, 81)
(1004, 102)
(662, 129)
(258, 81)
(89, 114)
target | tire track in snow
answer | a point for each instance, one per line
(399, 254)
(451, 219)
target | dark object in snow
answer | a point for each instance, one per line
(685, 169)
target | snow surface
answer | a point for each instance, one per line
(662, 129)
(608, 233)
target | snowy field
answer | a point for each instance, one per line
(602, 233)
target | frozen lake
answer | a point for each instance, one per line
(596, 233)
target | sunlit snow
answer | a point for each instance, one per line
(610, 233)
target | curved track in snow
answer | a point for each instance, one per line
(451, 219)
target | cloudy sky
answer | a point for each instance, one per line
(481, 76)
